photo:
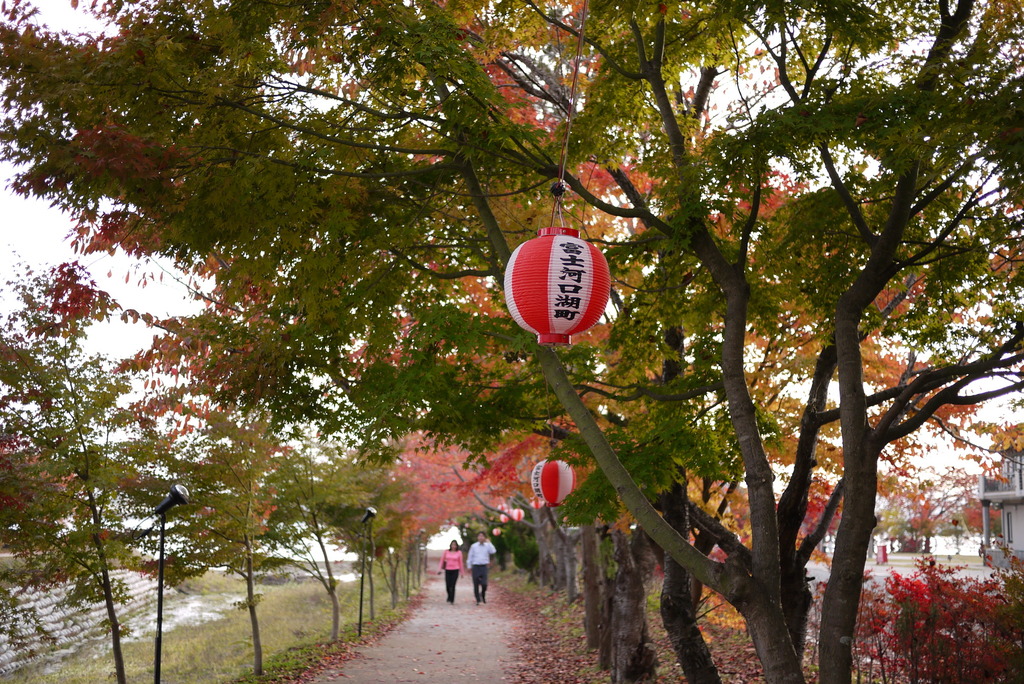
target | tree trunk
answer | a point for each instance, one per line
(678, 612)
(680, 620)
(115, 624)
(250, 600)
(633, 655)
(565, 555)
(592, 585)
(842, 594)
(371, 592)
(331, 585)
(335, 611)
(572, 590)
(573, 574)
(395, 588)
(108, 592)
(421, 562)
(411, 551)
(606, 549)
(373, 552)
(545, 576)
(767, 627)
(559, 566)
(394, 563)
(796, 601)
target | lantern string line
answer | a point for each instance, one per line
(558, 188)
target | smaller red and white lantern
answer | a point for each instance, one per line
(496, 531)
(537, 504)
(553, 481)
(503, 507)
(557, 285)
(503, 518)
(516, 514)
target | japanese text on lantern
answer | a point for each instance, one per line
(566, 304)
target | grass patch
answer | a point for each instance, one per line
(295, 618)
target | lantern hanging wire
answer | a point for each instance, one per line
(558, 187)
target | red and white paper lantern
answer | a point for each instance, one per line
(503, 518)
(553, 481)
(537, 503)
(516, 514)
(496, 532)
(557, 285)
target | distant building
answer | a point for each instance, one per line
(1005, 495)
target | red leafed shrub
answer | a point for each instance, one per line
(936, 625)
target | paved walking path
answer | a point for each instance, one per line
(440, 642)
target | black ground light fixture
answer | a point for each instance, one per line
(367, 522)
(178, 495)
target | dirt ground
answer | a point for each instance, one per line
(440, 642)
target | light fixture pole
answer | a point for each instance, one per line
(178, 495)
(367, 527)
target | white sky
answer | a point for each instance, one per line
(37, 236)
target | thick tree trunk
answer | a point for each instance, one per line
(680, 620)
(592, 585)
(633, 655)
(678, 612)
(606, 548)
(561, 564)
(796, 601)
(767, 627)
(545, 575)
(860, 476)
(842, 594)
(606, 648)
(572, 591)
(862, 443)
(565, 558)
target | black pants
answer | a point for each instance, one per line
(480, 583)
(450, 577)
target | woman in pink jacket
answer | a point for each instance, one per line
(451, 564)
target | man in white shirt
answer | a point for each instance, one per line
(478, 558)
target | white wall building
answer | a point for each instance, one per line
(1005, 496)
